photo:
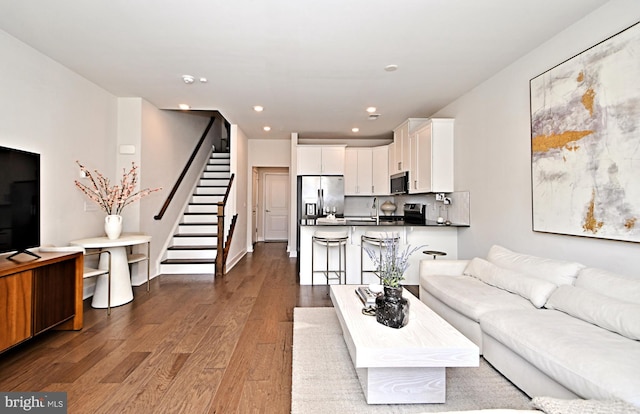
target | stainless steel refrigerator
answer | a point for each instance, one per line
(315, 193)
(325, 192)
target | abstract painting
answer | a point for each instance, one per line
(585, 142)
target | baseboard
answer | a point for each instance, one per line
(234, 260)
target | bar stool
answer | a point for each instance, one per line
(331, 239)
(434, 253)
(374, 239)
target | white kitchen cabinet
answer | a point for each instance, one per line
(401, 140)
(321, 159)
(358, 171)
(380, 176)
(393, 169)
(432, 157)
(400, 135)
(366, 171)
(333, 160)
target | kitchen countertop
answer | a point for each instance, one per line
(397, 221)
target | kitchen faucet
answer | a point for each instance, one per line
(375, 210)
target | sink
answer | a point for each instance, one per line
(367, 218)
(327, 220)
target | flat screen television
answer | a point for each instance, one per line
(19, 201)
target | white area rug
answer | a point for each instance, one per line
(324, 380)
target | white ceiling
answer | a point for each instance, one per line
(314, 65)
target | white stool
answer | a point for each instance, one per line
(374, 239)
(329, 239)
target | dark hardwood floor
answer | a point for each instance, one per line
(191, 345)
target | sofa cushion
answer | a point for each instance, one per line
(556, 271)
(470, 296)
(604, 311)
(590, 361)
(536, 290)
(610, 284)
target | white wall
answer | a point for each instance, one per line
(168, 139)
(48, 109)
(130, 134)
(492, 152)
(293, 198)
(239, 196)
(267, 153)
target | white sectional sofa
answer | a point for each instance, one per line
(554, 328)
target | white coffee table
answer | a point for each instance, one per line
(406, 365)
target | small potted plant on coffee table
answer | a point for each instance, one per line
(391, 262)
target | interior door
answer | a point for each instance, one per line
(276, 200)
(254, 206)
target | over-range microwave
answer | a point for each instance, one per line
(400, 183)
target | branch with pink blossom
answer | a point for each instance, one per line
(113, 199)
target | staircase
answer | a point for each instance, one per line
(194, 245)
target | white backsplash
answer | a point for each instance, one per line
(457, 211)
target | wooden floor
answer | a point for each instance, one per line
(189, 346)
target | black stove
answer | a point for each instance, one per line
(414, 213)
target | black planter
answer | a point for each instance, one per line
(392, 309)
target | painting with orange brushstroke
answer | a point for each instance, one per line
(585, 142)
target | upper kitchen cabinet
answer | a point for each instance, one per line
(321, 159)
(358, 171)
(402, 147)
(380, 179)
(391, 155)
(432, 157)
(366, 171)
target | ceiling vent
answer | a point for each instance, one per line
(373, 117)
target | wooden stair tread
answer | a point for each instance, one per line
(198, 213)
(216, 175)
(189, 261)
(192, 248)
(196, 235)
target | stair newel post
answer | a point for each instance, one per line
(220, 259)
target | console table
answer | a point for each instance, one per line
(121, 290)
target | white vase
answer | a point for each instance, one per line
(388, 208)
(113, 226)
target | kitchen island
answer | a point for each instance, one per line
(430, 236)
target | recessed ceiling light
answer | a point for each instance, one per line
(391, 68)
(355, 129)
(188, 79)
(258, 108)
(184, 107)
(267, 128)
(371, 109)
(204, 80)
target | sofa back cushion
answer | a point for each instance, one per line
(610, 284)
(556, 271)
(609, 313)
(535, 289)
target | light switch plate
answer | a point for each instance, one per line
(127, 149)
